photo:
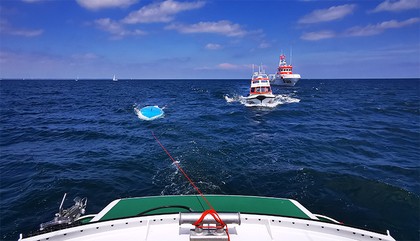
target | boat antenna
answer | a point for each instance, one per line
(281, 57)
(291, 53)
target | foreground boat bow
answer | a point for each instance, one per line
(173, 218)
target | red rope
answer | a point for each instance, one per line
(183, 172)
(211, 211)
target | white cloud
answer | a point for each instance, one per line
(359, 31)
(84, 56)
(222, 27)
(100, 4)
(224, 66)
(396, 6)
(228, 66)
(213, 46)
(32, 1)
(108, 25)
(116, 28)
(330, 14)
(314, 36)
(374, 29)
(161, 12)
(264, 45)
(6, 28)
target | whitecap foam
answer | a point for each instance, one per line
(278, 100)
(229, 99)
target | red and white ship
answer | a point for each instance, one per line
(260, 93)
(284, 75)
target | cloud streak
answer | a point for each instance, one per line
(397, 6)
(153, 13)
(165, 12)
(375, 29)
(101, 4)
(6, 28)
(360, 31)
(228, 66)
(327, 15)
(32, 1)
(160, 12)
(212, 46)
(116, 28)
(224, 66)
(222, 27)
(319, 35)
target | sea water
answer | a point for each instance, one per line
(348, 149)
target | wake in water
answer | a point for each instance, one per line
(278, 100)
(171, 181)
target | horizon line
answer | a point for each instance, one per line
(110, 79)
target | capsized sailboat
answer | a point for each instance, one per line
(149, 112)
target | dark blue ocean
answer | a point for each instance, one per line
(348, 149)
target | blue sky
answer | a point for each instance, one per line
(208, 38)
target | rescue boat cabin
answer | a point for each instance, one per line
(260, 84)
(284, 68)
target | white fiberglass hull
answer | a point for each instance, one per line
(251, 227)
(261, 99)
(176, 218)
(285, 79)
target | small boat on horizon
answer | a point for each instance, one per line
(284, 75)
(114, 78)
(260, 91)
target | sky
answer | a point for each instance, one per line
(206, 39)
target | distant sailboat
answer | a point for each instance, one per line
(114, 78)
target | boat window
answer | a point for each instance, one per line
(252, 89)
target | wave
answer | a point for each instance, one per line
(172, 182)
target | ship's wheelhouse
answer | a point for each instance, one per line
(286, 69)
(260, 85)
(260, 90)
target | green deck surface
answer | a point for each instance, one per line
(222, 203)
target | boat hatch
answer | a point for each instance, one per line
(245, 204)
